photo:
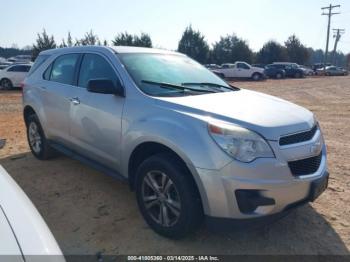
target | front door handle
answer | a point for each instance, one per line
(75, 101)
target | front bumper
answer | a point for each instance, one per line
(272, 185)
(223, 224)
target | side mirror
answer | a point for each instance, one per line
(105, 86)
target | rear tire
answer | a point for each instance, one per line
(6, 84)
(278, 76)
(37, 140)
(297, 75)
(167, 196)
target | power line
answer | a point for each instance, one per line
(329, 14)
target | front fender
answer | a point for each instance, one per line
(185, 134)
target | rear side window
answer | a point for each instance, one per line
(38, 62)
(63, 69)
(95, 67)
(13, 69)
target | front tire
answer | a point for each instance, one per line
(168, 197)
(279, 76)
(36, 139)
(256, 76)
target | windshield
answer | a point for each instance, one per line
(163, 74)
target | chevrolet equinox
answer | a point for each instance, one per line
(190, 145)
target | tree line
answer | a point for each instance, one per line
(228, 49)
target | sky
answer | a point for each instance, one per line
(256, 21)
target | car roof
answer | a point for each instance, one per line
(115, 49)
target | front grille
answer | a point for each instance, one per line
(305, 166)
(299, 137)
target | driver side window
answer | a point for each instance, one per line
(95, 67)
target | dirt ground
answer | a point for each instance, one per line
(89, 212)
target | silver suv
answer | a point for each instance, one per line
(191, 145)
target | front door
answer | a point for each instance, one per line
(96, 118)
(243, 70)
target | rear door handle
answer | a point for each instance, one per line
(75, 101)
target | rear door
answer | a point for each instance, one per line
(96, 118)
(58, 92)
(22, 73)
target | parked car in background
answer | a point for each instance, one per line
(317, 66)
(332, 71)
(274, 71)
(212, 66)
(13, 75)
(240, 70)
(20, 59)
(291, 69)
(192, 146)
(24, 236)
(307, 70)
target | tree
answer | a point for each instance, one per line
(231, 49)
(144, 40)
(296, 51)
(43, 42)
(271, 52)
(193, 44)
(127, 39)
(89, 39)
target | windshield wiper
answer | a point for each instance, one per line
(175, 86)
(212, 84)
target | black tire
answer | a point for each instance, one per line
(6, 84)
(297, 75)
(189, 213)
(256, 77)
(279, 76)
(42, 149)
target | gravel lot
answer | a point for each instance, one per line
(89, 212)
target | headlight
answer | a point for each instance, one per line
(240, 143)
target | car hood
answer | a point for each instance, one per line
(270, 116)
(258, 69)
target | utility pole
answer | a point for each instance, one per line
(329, 14)
(337, 33)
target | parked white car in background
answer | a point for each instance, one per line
(24, 236)
(240, 70)
(13, 75)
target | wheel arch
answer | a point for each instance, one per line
(147, 149)
(27, 111)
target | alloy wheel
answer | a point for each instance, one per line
(34, 136)
(161, 198)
